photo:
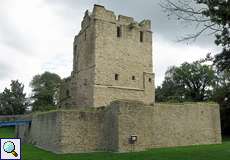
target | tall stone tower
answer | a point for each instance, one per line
(112, 66)
(112, 60)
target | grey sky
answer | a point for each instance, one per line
(37, 35)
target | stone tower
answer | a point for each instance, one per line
(112, 60)
(112, 67)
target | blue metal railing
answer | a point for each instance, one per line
(15, 123)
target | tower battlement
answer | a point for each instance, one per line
(112, 59)
(101, 13)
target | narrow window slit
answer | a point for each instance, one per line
(116, 76)
(118, 31)
(141, 36)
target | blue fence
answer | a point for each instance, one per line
(15, 123)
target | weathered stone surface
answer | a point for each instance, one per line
(166, 125)
(109, 128)
(99, 54)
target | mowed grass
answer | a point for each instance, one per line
(203, 152)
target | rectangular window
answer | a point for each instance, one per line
(118, 31)
(141, 36)
(116, 76)
(85, 35)
(133, 77)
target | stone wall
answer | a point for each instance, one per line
(83, 65)
(188, 124)
(64, 99)
(68, 131)
(166, 125)
(110, 128)
(99, 54)
(125, 56)
(23, 131)
(82, 131)
(44, 132)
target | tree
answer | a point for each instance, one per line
(188, 82)
(222, 96)
(212, 16)
(13, 101)
(44, 88)
(170, 91)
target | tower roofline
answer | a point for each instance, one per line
(101, 13)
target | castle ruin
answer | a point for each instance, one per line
(112, 60)
(107, 104)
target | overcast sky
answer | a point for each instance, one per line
(37, 36)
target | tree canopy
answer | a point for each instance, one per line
(221, 94)
(197, 82)
(13, 101)
(189, 81)
(212, 16)
(44, 88)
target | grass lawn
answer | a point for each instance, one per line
(204, 152)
